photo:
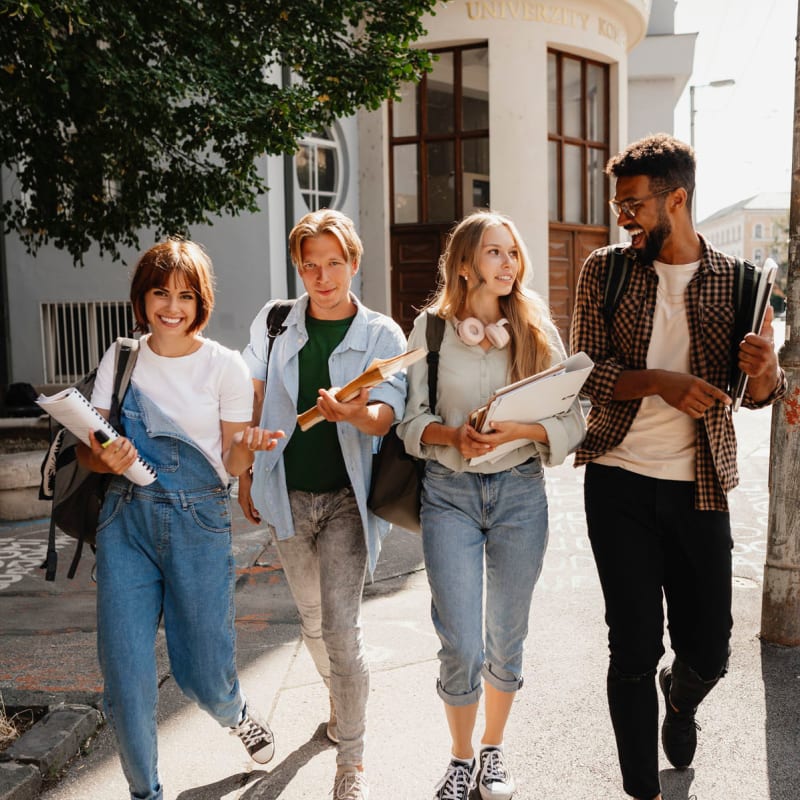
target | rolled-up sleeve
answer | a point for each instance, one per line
(391, 342)
(255, 353)
(417, 413)
(565, 431)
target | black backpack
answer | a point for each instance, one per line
(744, 287)
(76, 492)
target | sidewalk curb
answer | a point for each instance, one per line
(45, 749)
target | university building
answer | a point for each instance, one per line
(525, 104)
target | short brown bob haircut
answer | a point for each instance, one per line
(192, 268)
(325, 220)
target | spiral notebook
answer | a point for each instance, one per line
(72, 410)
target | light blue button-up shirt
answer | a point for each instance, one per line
(371, 335)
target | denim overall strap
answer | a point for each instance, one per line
(163, 444)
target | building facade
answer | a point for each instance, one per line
(755, 228)
(525, 104)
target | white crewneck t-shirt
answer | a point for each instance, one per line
(198, 391)
(661, 441)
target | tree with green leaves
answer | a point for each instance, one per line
(116, 115)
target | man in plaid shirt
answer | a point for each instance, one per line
(661, 453)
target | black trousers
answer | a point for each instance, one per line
(650, 544)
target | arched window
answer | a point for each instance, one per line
(318, 166)
(759, 231)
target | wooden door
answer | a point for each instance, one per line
(415, 269)
(569, 247)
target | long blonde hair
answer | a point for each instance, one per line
(525, 310)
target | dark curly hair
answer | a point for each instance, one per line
(667, 161)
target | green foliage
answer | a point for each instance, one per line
(117, 115)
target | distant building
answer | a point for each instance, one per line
(755, 228)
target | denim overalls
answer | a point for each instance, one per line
(164, 549)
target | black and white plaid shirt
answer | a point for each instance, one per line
(710, 315)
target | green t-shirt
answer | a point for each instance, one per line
(313, 459)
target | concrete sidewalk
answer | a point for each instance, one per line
(559, 738)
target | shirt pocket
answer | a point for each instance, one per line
(625, 323)
(716, 332)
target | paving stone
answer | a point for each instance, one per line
(19, 781)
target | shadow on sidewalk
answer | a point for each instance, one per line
(676, 783)
(270, 784)
(780, 670)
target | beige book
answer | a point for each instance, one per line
(377, 372)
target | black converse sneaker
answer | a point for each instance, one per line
(256, 736)
(458, 781)
(495, 780)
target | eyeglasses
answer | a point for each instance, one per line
(630, 207)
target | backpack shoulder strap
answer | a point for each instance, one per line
(275, 319)
(744, 280)
(434, 333)
(125, 355)
(617, 276)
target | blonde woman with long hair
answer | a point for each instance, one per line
(493, 513)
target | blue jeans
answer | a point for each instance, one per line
(164, 551)
(466, 518)
(325, 564)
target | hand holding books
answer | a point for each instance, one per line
(538, 397)
(755, 299)
(70, 408)
(377, 372)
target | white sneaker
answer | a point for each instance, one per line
(256, 736)
(350, 784)
(458, 781)
(332, 728)
(495, 780)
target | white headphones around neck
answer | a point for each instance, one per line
(472, 331)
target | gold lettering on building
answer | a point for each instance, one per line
(610, 30)
(529, 11)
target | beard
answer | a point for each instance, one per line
(654, 239)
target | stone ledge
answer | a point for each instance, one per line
(19, 781)
(55, 739)
(20, 476)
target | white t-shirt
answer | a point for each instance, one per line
(197, 391)
(661, 441)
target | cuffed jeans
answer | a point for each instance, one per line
(325, 564)
(468, 517)
(650, 543)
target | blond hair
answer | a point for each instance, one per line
(325, 220)
(525, 310)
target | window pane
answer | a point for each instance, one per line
(475, 158)
(405, 183)
(573, 183)
(441, 183)
(572, 97)
(440, 104)
(326, 169)
(595, 182)
(552, 179)
(552, 93)
(303, 162)
(595, 103)
(404, 112)
(475, 89)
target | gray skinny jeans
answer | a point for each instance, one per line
(325, 565)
